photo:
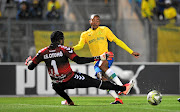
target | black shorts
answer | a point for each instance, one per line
(79, 80)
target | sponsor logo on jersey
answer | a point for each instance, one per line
(98, 38)
(92, 41)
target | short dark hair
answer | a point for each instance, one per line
(56, 36)
(94, 15)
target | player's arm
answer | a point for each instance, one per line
(125, 47)
(111, 37)
(83, 60)
(31, 65)
(122, 45)
(80, 44)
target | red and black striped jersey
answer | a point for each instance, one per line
(57, 62)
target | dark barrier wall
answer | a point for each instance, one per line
(16, 79)
(164, 78)
(7, 79)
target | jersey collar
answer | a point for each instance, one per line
(93, 30)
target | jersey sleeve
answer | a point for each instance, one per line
(122, 45)
(70, 53)
(38, 58)
(109, 34)
(81, 42)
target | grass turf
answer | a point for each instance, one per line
(87, 104)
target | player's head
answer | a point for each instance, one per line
(57, 37)
(94, 21)
(168, 3)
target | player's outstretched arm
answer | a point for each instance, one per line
(80, 44)
(121, 44)
(125, 47)
(30, 63)
(83, 60)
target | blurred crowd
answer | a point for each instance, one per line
(59, 9)
(160, 10)
(41, 9)
(34, 9)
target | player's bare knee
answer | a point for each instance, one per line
(104, 66)
(104, 78)
(99, 76)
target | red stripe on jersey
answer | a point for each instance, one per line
(38, 58)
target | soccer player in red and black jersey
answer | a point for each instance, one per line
(56, 58)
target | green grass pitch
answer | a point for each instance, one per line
(87, 104)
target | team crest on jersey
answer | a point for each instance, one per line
(99, 33)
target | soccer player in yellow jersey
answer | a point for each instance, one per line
(96, 37)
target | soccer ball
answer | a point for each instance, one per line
(154, 97)
(178, 99)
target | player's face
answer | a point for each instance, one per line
(94, 22)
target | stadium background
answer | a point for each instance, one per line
(155, 42)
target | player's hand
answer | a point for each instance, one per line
(28, 60)
(135, 54)
(107, 56)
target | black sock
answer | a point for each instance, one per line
(62, 93)
(111, 86)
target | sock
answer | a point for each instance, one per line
(65, 96)
(113, 94)
(62, 93)
(110, 86)
(113, 76)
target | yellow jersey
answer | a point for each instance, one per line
(170, 13)
(146, 9)
(97, 41)
(152, 4)
(51, 4)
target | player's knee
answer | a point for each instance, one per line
(104, 65)
(104, 78)
(101, 76)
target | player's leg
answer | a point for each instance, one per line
(102, 76)
(81, 80)
(60, 91)
(105, 66)
(85, 81)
